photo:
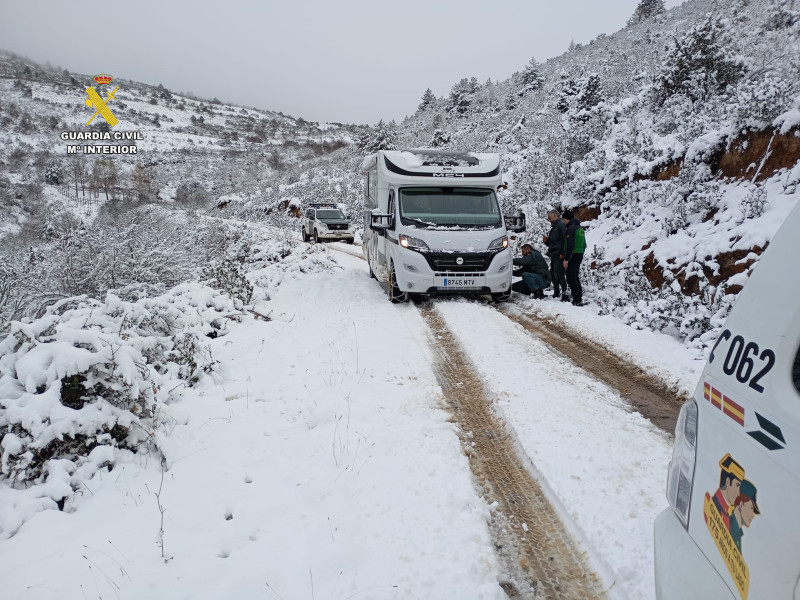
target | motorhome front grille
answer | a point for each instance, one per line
(459, 274)
(459, 262)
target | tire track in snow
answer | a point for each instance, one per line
(653, 399)
(544, 561)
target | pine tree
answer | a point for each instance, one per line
(428, 99)
(462, 95)
(382, 137)
(530, 79)
(510, 101)
(589, 92)
(647, 9)
(699, 63)
(567, 92)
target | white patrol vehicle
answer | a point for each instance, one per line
(733, 527)
(326, 222)
(432, 223)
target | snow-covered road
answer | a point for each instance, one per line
(323, 465)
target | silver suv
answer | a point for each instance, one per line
(326, 222)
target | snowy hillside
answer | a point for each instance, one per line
(191, 151)
(58, 208)
(677, 141)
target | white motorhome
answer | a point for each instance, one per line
(732, 529)
(432, 223)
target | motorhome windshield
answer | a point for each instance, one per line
(330, 214)
(449, 207)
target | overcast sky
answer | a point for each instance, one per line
(351, 61)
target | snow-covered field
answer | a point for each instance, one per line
(317, 461)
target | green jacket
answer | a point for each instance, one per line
(533, 263)
(575, 240)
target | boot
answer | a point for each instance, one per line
(565, 297)
(539, 294)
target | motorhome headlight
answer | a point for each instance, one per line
(681, 468)
(412, 243)
(500, 243)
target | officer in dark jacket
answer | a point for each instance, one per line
(574, 246)
(534, 272)
(555, 249)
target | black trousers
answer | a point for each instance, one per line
(573, 281)
(557, 275)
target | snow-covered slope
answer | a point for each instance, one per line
(676, 140)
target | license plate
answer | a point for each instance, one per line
(457, 282)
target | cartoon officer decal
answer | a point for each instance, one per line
(732, 507)
(745, 509)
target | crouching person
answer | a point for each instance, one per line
(534, 272)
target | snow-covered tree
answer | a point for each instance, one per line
(700, 63)
(142, 182)
(382, 137)
(428, 99)
(567, 90)
(53, 173)
(530, 78)
(783, 14)
(589, 93)
(104, 176)
(462, 95)
(647, 10)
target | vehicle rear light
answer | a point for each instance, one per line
(681, 468)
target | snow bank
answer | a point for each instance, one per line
(90, 379)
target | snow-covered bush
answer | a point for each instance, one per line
(627, 294)
(53, 173)
(142, 251)
(92, 374)
(228, 276)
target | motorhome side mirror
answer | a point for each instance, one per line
(515, 223)
(380, 222)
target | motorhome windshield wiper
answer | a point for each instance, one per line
(418, 222)
(470, 226)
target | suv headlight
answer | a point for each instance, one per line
(323, 226)
(412, 243)
(681, 468)
(499, 244)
